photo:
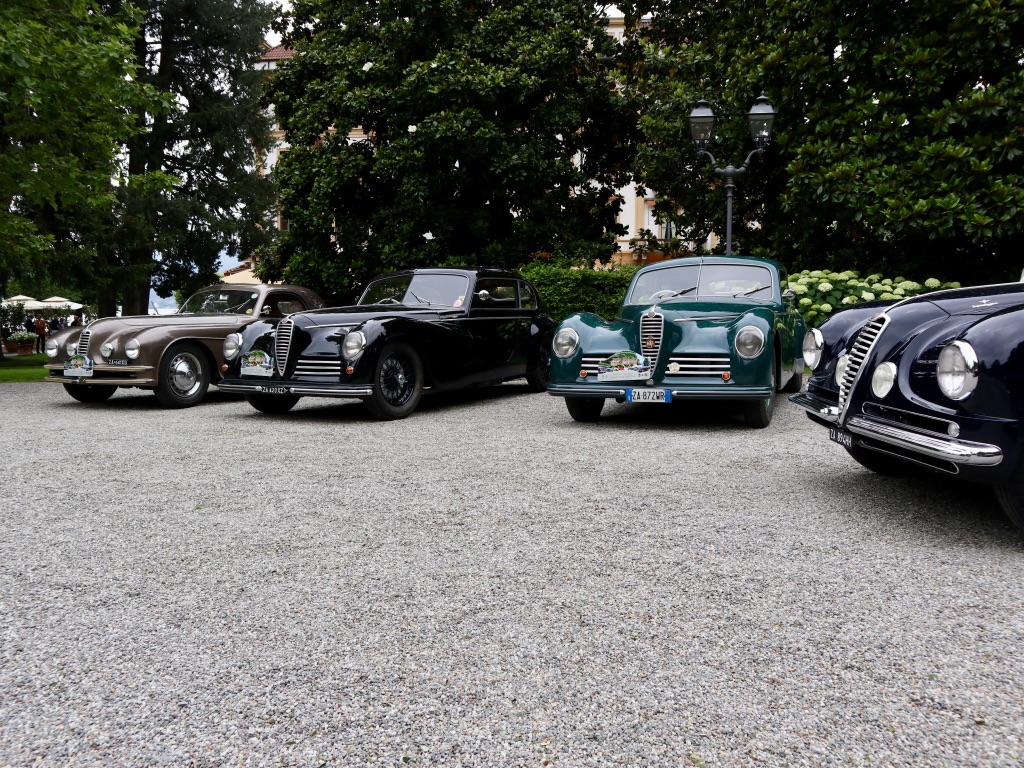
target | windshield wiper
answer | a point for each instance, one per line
(752, 290)
(670, 294)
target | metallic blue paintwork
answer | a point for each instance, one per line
(990, 319)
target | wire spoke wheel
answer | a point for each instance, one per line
(398, 382)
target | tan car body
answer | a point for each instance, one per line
(178, 355)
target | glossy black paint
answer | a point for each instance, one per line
(458, 346)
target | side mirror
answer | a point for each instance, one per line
(788, 295)
(483, 295)
(265, 310)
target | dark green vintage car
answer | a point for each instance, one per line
(699, 328)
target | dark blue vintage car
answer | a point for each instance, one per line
(933, 381)
(419, 329)
(699, 328)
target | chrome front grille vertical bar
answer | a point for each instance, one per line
(282, 345)
(652, 330)
(858, 355)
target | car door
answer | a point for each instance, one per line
(500, 328)
(788, 327)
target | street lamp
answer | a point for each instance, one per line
(702, 123)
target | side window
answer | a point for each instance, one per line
(281, 304)
(495, 293)
(527, 298)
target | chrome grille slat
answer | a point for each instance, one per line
(859, 352)
(282, 345)
(83, 342)
(699, 365)
(318, 367)
(652, 330)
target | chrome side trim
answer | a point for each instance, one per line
(244, 387)
(819, 407)
(932, 445)
(559, 390)
(725, 392)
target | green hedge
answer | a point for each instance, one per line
(565, 290)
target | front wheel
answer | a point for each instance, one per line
(1011, 497)
(272, 404)
(90, 393)
(539, 374)
(397, 383)
(585, 409)
(184, 376)
(758, 413)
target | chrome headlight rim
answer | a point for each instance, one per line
(52, 347)
(565, 343)
(841, 362)
(232, 345)
(71, 345)
(353, 345)
(133, 348)
(883, 379)
(812, 347)
(962, 362)
(108, 348)
(745, 333)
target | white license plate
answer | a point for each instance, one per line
(840, 436)
(648, 395)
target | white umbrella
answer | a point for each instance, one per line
(60, 301)
(19, 299)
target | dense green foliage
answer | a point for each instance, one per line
(819, 293)
(565, 290)
(899, 131)
(66, 103)
(489, 131)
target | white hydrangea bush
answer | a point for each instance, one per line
(820, 292)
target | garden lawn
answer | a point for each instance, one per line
(22, 368)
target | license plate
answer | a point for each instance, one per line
(840, 436)
(273, 390)
(648, 395)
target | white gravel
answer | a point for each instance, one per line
(488, 583)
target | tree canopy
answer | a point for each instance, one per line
(898, 139)
(459, 131)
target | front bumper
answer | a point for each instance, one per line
(303, 389)
(729, 392)
(115, 375)
(929, 447)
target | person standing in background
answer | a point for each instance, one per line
(40, 329)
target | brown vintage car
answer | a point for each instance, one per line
(177, 356)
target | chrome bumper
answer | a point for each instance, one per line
(244, 387)
(927, 444)
(697, 393)
(57, 376)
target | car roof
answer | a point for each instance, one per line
(715, 258)
(467, 271)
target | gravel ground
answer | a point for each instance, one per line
(488, 583)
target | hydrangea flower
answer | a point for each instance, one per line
(367, 66)
(412, 129)
(826, 308)
(888, 297)
(868, 296)
(805, 302)
(825, 287)
(931, 283)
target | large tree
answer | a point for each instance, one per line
(898, 141)
(203, 53)
(67, 95)
(447, 132)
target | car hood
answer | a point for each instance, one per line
(356, 315)
(983, 300)
(134, 322)
(716, 311)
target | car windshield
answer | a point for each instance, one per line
(418, 290)
(221, 302)
(692, 281)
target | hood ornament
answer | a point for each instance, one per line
(985, 303)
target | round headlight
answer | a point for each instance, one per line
(107, 348)
(749, 342)
(132, 348)
(814, 342)
(957, 370)
(882, 379)
(72, 346)
(51, 347)
(841, 362)
(232, 343)
(354, 344)
(565, 342)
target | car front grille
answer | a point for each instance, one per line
(83, 342)
(698, 365)
(318, 368)
(282, 345)
(862, 346)
(652, 328)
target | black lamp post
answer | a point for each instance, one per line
(702, 123)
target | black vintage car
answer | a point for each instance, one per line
(933, 381)
(419, 329)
